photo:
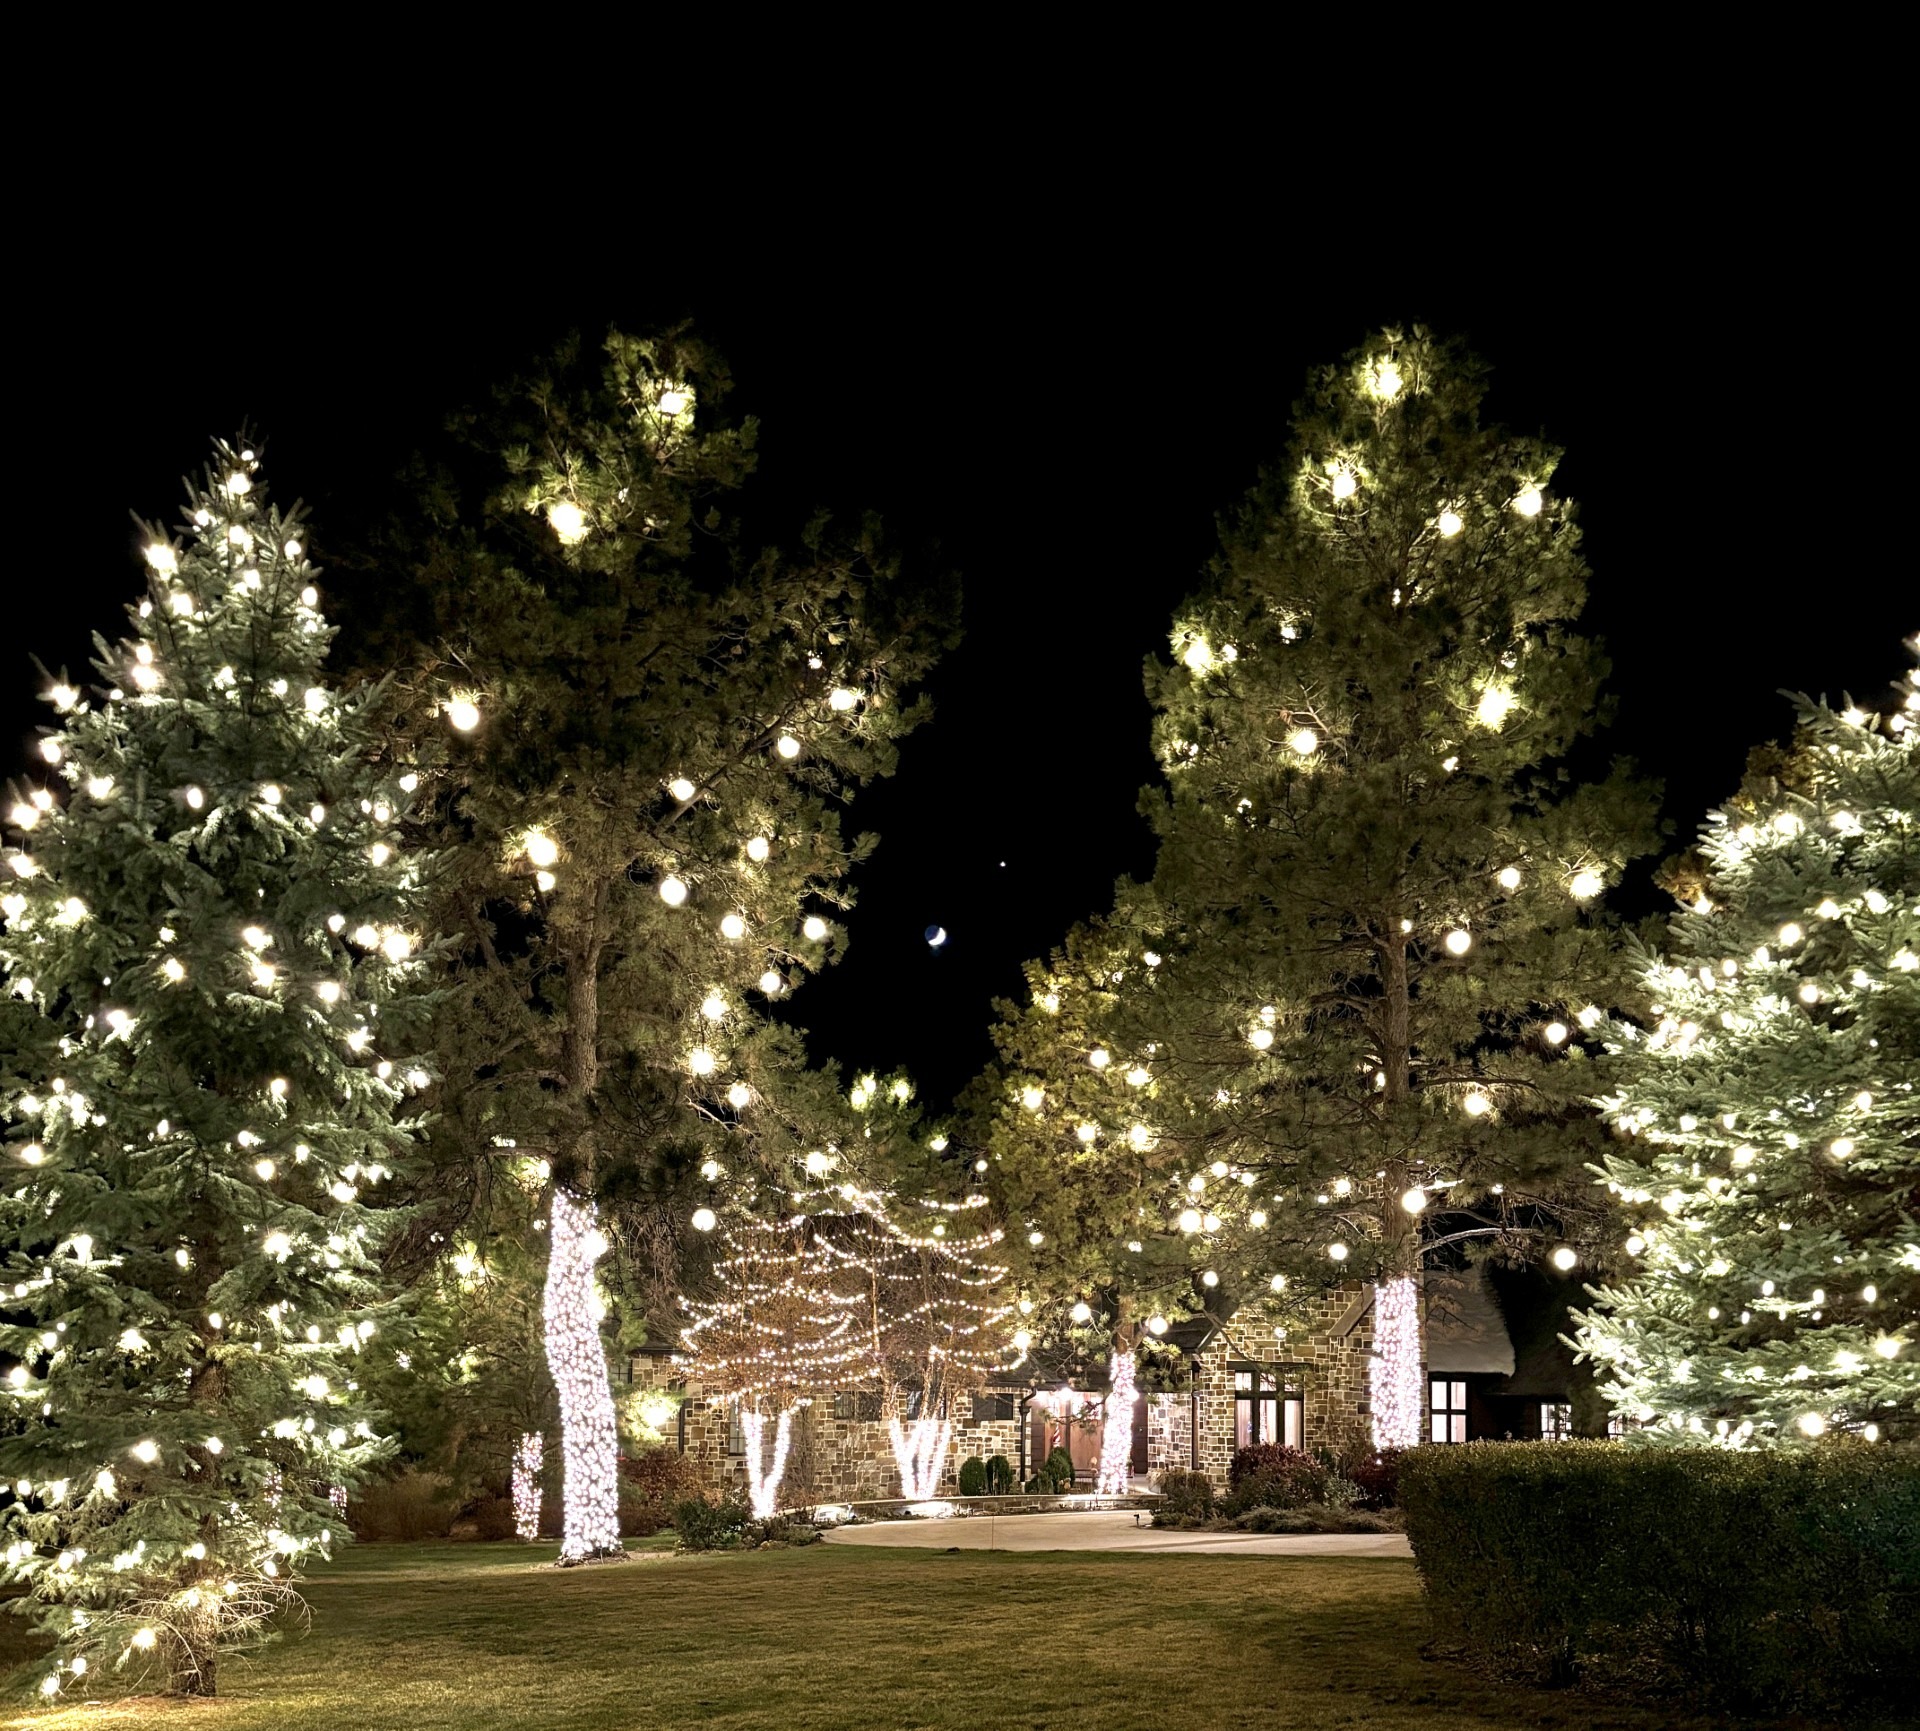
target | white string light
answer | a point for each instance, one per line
(528, 1454)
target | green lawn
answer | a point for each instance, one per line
(482, 1638)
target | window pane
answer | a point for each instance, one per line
(1458, 1422)
(1242, 1423)
(1294, 1407)
(1459, 1394)
(1439, 1427)
(1267, 1380)
(1269, 1431)
(1243, 1379)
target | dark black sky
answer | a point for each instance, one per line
(1052, 392)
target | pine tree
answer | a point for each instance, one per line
(214, 921)
(658, 734)
(1348, 987)
(1772, 1156)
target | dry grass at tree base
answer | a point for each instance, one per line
(473, 1638)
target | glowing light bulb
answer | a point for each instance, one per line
(681, 789)
(1344, 484)
(1476, 1105)
(1450, 524)
(705, 1220)
(162, 558)
(1033, 1097)
(714, 1006)
(1812, 1424)
(771, 982)
(1303, 741)
(1509, 878)
(174, 969)
(145, 1452)
(840, 700)
(1197, 656)
(702, 1062)
(1528, 501)
(1156, 1325)
(732, 927)
(1459, 942)
(316, 700)
(787, 746)
(673, 403)
(673, 891)
(1088, 1133)
(1260, 1039)
(1585, 884)
(1190, 1220)
(263, 1168)
(1413, 1200)
(463, 714)
(542, 849)
(1337, 1251)
(1495, 705)
(1386, 381)
(1565, 1257)
(1790, 934)
(568, 521)
(813, 928)
(64, 696)
(1556, 1033)
(758, 848)
(1099, 1057)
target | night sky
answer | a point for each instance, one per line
(1056, 404)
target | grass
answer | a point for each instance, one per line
(484, 1638)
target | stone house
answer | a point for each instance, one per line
(1298, 1376)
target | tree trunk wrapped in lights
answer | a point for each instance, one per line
(590, 1438)
(1116, 1434)
(764, 1469)
(1339, 1029)
(1769, 1151)
(212, 902)
(1394, 1372)
(529, 1454)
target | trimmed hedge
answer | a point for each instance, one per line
(1767, 1582)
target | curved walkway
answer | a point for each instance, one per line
(1108, 1530)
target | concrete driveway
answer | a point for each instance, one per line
(1109, 1530)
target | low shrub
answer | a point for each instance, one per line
(1378, 1479)
(1317, 1519)
(1039, 1486)
(409, 1505)
(999, 1476)
(1273, 1476)
(1184, 1495)
(492, 1517)
(705, 1526)
(1059, 1468)
(1757, 1582)
(779, 1530)
(653, 1483)
(973, 1477)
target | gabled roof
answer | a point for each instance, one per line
(1465, 1331)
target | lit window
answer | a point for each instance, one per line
(1263, 1411)
(1449, 1402)
(1556, 1421)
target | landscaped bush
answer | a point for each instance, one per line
(492, 1517)
(653, 1482)
(1059, 1468)
(705, 1526)
(999, 1476)
(1039, 1486)
(410, 1505)
(1761, 1582)
(1273, 1476)
(973, 1477)
(1313, 1519)
(1378, 1479)
(1184, 1496)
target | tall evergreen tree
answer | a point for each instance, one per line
(214, 923)
(656, 734)
(1341, 1014)
(1771, 1153)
